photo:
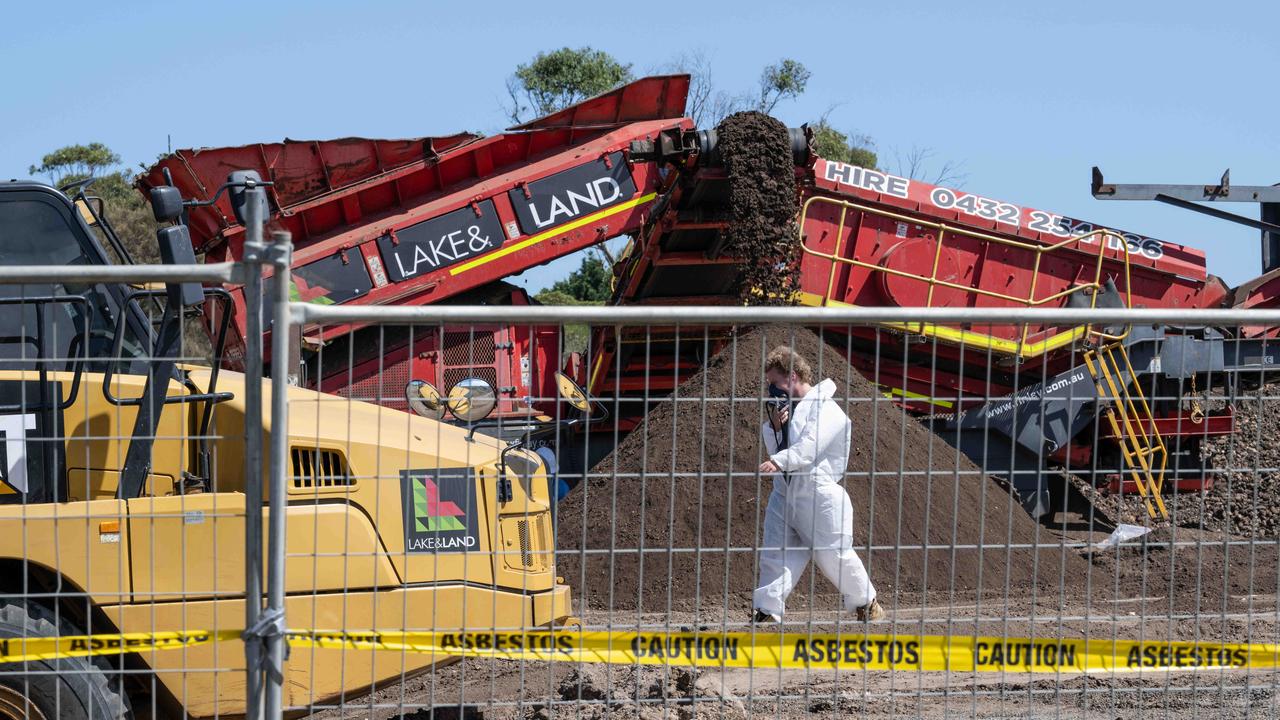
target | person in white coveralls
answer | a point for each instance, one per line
(809, 512)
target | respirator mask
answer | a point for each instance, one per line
(778, 400)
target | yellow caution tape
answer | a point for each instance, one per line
(762, 649)
(50, 648)
(798, 650)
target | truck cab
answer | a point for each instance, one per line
(395, 521)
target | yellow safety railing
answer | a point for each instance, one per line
(1021, 347)
(1128, 414)
(1129, 417)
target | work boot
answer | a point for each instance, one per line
(761, 617)
(870, 612)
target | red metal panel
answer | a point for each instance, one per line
(338, 196)
(380, 376)
(300, 170)
(322, 186)
(517, 253)
(942, 203)
(1261, 292)
(1184, 424)
(544, 359)
(1160, 274)
(1125, 486)
(653, 98)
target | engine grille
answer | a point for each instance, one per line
(454, 375)
(316, 468)
(527, 533)
(526, 557)
(385, 388)
(464, 348)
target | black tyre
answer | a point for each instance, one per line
(70, 688)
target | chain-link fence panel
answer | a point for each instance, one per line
(783, 511)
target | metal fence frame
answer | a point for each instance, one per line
(264, 637)
(303, 314)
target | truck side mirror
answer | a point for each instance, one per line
(90, 209)
(240, 198)
(175, 249)
(572, 393)
(424, 399)
(166, 203)
(472, 399)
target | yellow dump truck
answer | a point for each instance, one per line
(395, 521)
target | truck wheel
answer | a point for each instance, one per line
(63, 688)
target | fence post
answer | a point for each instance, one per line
(281, 256)
(254, 256)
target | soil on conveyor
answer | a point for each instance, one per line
(756, 150)
(682, 492)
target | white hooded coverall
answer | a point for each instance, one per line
(810, 512)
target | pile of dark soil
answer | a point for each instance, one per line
(682, 492)
(1192, 570)
(763, 203)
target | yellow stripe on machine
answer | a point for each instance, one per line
(909, 395)
(761, 649)
(595, 371)
(978, 341)
(534, 240)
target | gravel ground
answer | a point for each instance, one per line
(502, 689)
(1245, 498)
(536, 691)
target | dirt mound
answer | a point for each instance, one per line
(763, 203)
(688, 500)
(1190, 570)
(646, 691)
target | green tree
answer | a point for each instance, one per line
(590, 283)
(75, 162)
(554, 80)
(835, 145)
(708, 103)
(784, 80)
(126, 209)
(557, 297)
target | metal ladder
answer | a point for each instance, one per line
(1129, 417)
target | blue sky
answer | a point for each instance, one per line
(1028, 96)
